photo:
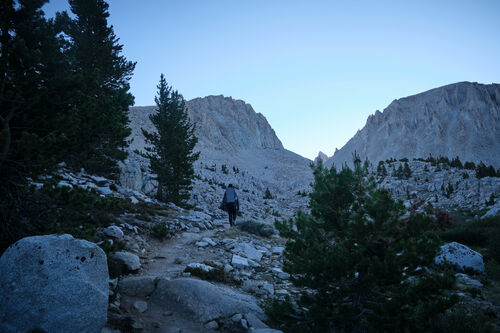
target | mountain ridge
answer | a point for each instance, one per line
(460, 119)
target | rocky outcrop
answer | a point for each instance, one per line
(461, 119)
(55, 284)
(461, 256)
(221, 123)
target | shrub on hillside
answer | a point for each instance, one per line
(159, 230)
(256, 228)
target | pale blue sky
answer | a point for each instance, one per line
(315, 69)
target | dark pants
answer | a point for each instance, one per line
(231, 210)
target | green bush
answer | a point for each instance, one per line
(469, 236)
(256, 228)
(160, 230)
(494, 244)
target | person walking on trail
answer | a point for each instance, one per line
(230, 203)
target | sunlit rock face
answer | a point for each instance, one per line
(461, 119)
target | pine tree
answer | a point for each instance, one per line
(362, 263)
(102, 97)
(407, 171)
(170, 153)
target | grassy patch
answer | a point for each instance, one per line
(256, 228)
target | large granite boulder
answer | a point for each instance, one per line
(55, 284)
(460, 256)
(202, 300)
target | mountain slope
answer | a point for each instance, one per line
(237, 146)
(461, 119)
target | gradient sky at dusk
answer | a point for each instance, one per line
(315, 69)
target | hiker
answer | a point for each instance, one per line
(230, 203)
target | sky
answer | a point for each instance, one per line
(315, 69)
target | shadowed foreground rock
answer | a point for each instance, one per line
(204, 301)
(55, 284)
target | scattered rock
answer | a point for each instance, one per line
(129, 260)
(203, 267)
(114, 231)
(212, 325)
(277, 250)
(141, 306)
(461, 256)
(55, 284)
(467, 282)
(258, 287)
(280, 274)
(209, 241)
(239, 262)
(201, 244)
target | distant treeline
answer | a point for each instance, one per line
(481, 169)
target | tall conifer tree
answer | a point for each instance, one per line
(103, 99)
(171, 148)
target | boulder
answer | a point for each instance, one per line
(460, 256)
(239, 262)
(137, 285)
(55, 284)
(129, 260)
(202, 300)
(113, 231)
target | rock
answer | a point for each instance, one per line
(203, 267)
(280, 274)
(277, 250)
(212, 325)
(239, 262)
(113, 231)
(55, 284)
(248, 250)
(228, 268)
(141, 306)
(109, 330)
(281, 292)
(201, 244)
(237, 317)
(134, 200)
(209, 241)
(461, 256)
(258, 287)
(492, 212)
(127, 259)
(465, 280)
(244, 323)
(140, 286)
(202, 300)
(137, 325)
(254, 321)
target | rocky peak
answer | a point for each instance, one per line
(321, 157)
(461, 119)
(227, 123)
